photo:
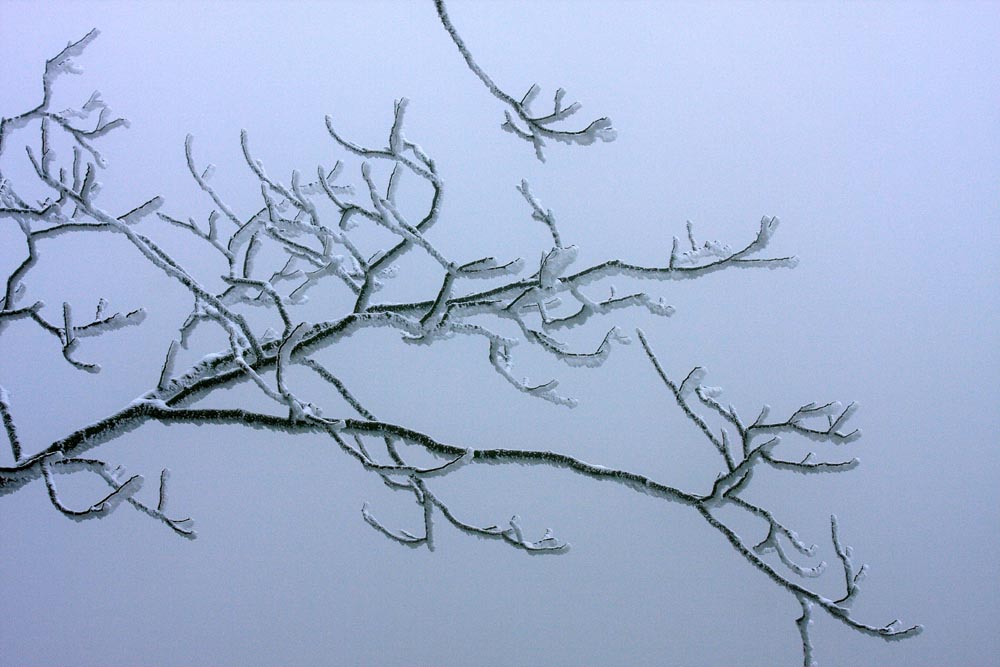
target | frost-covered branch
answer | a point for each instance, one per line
(737, 477)
(351, 236)
(534, 129)
(8, 424)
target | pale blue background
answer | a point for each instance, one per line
(872, 130)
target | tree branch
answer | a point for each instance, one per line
(292, 229)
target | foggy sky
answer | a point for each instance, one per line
(871, 130)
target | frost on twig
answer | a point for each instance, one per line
(8, 424)
(520, 119)
(55, 67)
(308, 233)
(121, 490)
(60, 214)
(804, 623)
(736, 477)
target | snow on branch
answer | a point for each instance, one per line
(271, 260)
(735, 479)
(8, 424)
(533, 129)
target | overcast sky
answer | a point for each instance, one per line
(872, 130)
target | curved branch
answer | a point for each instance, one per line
(537, 126)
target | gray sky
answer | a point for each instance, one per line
(871, 130)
